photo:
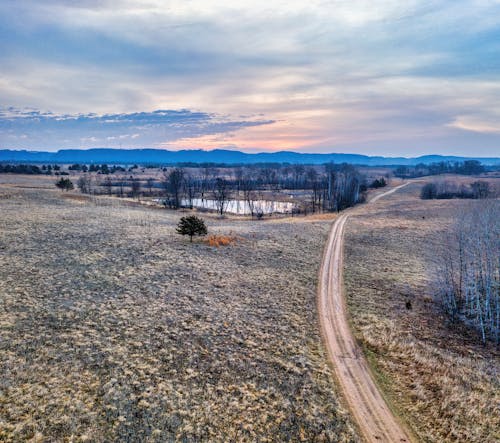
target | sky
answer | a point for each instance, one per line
(392, 77)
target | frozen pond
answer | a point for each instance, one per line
(241, 207)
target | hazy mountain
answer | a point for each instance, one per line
(160, 156)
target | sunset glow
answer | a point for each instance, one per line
(384, 77)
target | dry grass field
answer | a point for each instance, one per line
(439, 379)
(115, 328)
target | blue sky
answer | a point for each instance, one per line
(372, 77)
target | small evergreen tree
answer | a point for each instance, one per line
(64, 184)
(192, 225)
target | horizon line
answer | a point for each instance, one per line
(245, 152)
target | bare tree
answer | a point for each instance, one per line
(298, 172)
(84, 183)
(121, 185)
(329, 197)
(150, 182)
(248, 188)
(343, 184)
(221, 194)
(108, 184)
(208, 177)
(238, 178)
(313, 184)
(469, 271)
(480, 189)
(172, 183)
(189, 185)
(135, 185)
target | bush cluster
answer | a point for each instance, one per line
(446, 190)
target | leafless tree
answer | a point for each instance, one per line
(480, 189)
(469, 272)
(172, 183)
(298, 172)
(207, 179)
(84, 183)
(135, 185)
(342, 187)
(313, 183)
(150, 182)
(238, 178)
(221, 194)
(121, 185)
(189, 189)
(108, 184)
(248, 188)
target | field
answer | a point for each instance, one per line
(437, 377)
(115, 328)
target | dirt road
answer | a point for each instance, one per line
(369, 409)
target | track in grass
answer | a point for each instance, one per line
(374, 418)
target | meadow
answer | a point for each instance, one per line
(115, 328)
(437, 376)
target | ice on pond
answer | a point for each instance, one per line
(242, 207)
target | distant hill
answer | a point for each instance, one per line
(161, 156)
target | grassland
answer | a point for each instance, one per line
(437, 377)
(114, 328)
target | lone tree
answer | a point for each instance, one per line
(192, 225)
(64, 184)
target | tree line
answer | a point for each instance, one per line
(331, 187)
(28, 169)
(446, 189)
(469, 272)
(467, 167)
(101, 169)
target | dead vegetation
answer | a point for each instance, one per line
(438, 377)
(113, 328)
(217, 240)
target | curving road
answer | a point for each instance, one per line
(375, 420)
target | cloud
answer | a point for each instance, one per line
(25, 128)
(353, 75)
(471, 123)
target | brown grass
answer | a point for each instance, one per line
(442, 381)
(115, 328)
(216, 240)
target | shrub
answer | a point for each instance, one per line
(191, 225)
(378, 183)
(65, 184)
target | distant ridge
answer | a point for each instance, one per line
(161, 156)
